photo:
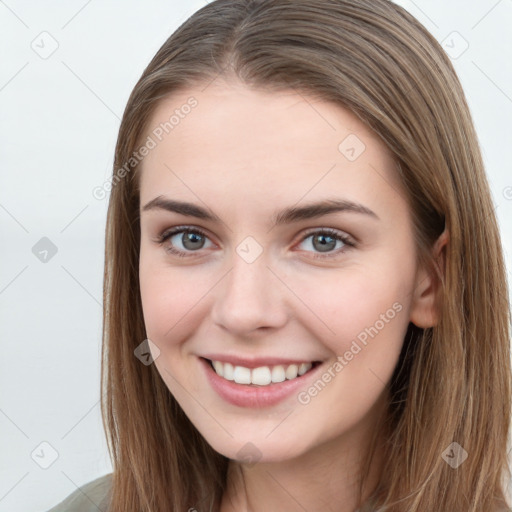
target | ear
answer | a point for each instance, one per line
(425, 302)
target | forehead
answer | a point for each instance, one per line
(264, 144)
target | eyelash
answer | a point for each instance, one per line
(189, 229)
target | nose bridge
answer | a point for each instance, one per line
(249, 296)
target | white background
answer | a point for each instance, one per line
(58, 126)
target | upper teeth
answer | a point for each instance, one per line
(262, 376)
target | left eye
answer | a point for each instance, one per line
(193, 239)
(325, 241)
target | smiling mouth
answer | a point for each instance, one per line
(263, 375)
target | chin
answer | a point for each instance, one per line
(245, 449)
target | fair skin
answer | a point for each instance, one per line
(244, 155)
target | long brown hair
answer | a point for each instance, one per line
(452, 382)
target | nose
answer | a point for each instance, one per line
(249, 299)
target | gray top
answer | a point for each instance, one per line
(94, 497)
(91, 497)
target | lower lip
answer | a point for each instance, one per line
(244, 395)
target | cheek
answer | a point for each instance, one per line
(157, 303)
(358, 308)
(171, 301)
(364, 321)
(364, 318)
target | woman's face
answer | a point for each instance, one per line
(264, 276)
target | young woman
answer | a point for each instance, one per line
(305, 294)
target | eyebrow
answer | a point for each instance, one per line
(285, 216)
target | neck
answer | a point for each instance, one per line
(324, 479)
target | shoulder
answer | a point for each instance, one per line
(91, 497)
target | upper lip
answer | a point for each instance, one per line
(256, 362)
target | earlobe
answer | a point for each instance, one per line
(425, 302)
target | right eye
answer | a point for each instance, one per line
(191, 239)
